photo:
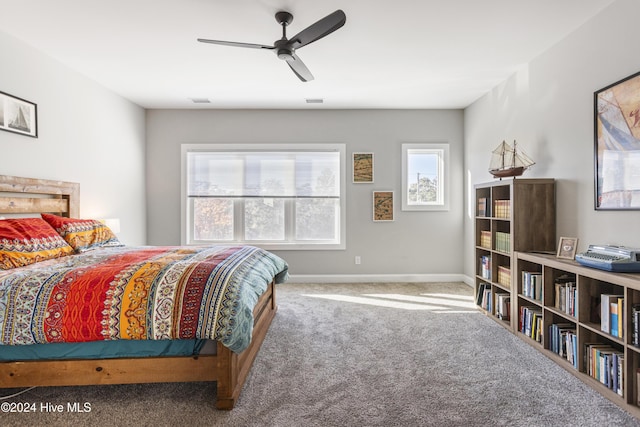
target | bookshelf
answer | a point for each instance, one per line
(511, 215)
(601, 347)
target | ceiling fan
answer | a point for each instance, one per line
(285, 48)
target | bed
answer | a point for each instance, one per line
(92, 315)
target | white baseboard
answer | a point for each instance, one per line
(378, 278)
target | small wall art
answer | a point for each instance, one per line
(383, 205)
(362, 168)
(18, 115)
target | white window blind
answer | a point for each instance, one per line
(284, 196)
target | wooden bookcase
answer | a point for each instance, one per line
(583, 323)
(510, 215)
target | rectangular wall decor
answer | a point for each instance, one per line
(18, 115)
(617, 145)
(362, 168)
(383, 205)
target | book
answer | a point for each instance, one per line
(613, 309)
(605, 311)
(620, 317)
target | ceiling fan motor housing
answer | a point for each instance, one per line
(282, 50)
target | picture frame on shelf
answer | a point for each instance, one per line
(362, 168)
(617, 145)
(18, 115)
(383, 206)
(567, 247)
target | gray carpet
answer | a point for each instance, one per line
(362, 355)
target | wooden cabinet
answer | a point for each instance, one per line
(585, 320)
(511, 215)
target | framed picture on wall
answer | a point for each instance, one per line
(617, 145)
(383, 206)
(18, 115)
(362, 168)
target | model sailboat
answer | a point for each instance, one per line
(507, 161)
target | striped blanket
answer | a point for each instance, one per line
(138, 293)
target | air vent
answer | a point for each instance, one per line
(200, 100)
(314, 100)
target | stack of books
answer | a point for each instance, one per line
(485, 239)
(484, 297)
(605, 364)
(485, 262)
(531, 322)
(503, 242)
(566, 295)
(503, 305)
(611, 314)
(635, 321)
(532, 285)
(482, 206)
(564, 342)
(502, 209)
(504, 275)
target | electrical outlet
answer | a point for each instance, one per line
(358, 259)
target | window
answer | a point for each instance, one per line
(425, 183)
(287, 196)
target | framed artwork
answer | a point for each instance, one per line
(567, 247)
(18, 115)
(383, 205)
(362, 168)
(617, 145)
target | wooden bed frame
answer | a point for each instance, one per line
(228, 369)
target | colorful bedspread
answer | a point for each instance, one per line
(138, 293)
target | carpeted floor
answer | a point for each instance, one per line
(361, 355)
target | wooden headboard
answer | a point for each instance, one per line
(33, 196)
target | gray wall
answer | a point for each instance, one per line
(548, 107)
(415, 243)
(87, 134)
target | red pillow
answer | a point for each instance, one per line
(25, 241)
(82, 234)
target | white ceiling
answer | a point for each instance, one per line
(399, 54)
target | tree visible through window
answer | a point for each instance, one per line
(424, 180)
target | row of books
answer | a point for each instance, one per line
(485, 239)
(563, 341)
(605, 364)
(502, 208)
(503, 242)
(485, 267)
(503, 305)
(482, 207)
(484, 297)
(566, 295)
(612, 314)
(504, 275)
(530, 322)
(635, 323)
(532, 285)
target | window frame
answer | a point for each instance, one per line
(440, 149)
(186, 213)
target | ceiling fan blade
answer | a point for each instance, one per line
(236, 44)
(299, 68)
(323, 27)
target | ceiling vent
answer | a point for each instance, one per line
(200, 100)
(314, 100)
